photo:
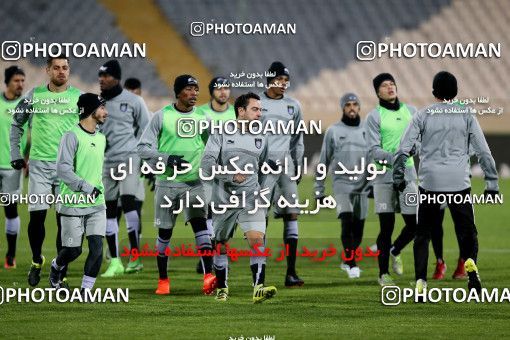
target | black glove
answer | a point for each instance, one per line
(176, 161)
(272, 164)
(151, 180)
(490, 193)
(399, 182)
(96, 192)
(18, 164)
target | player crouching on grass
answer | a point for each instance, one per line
(80, 169)
(252, 151)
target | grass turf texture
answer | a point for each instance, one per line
(329, 305)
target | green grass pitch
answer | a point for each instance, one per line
(328, 306)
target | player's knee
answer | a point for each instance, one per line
(255, 238)
(74, 252)
(11, 211)
(128, 203)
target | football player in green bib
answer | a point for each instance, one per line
(171, 138)
(80, 169)
(386, 125)
(10, 179)
(52, 110)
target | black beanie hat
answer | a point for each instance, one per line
(444, 85)
(111, 67)
(278, 69)
(88, 103)
(11, 72)
(218, 80)
(182, 81)
(379, 80)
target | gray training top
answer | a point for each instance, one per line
(345, 144)
(65, 172)
(446, 139)
(220, 148)
(281, 146)
(127, 118)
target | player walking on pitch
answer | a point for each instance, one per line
(52, 111)
(128, 117)
(278, 107)
(10, 179)
(444, 168)
(80, 168)
(251, 150)
(385, 127)
(163, 140)
(345, 142)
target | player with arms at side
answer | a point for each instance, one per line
(164, 140)
(10, 179)
(52, 111)
(278, 107)
(128, 117)
(252, 151)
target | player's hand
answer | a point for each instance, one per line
(239, 178)
(177, 161)
(96, 192)
(399, 185)
(490, 193)
(272, 164)
(151, 180)
(18, 164)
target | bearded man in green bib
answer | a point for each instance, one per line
(52, 111)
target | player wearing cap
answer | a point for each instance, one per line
(79, 168)
(278, 107)
(385, 127)
(10, 179)
(167, 140)
(345, 142)
(128, 117)
(444, 168)
(252, 151)
(52, 111)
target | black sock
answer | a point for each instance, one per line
(36, 233)
(203, 242)
(133, 239)
(387, 223)
(221, 270)
(347, 236)
(164, 236)
(11, 245)
(258, 272)
(58, 243)
(112, 245)
(291, 259)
